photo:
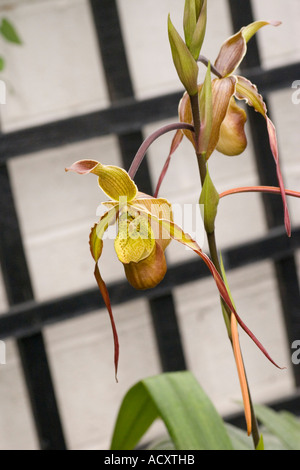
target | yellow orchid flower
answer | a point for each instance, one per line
(145, 229)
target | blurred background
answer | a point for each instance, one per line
(91, 80)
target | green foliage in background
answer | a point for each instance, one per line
(191, 419)
(9, 33)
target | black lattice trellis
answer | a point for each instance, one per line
(126, 117)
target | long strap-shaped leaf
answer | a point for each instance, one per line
(178, 399)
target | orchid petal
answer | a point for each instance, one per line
(245, 90)
(222, 92)
(96, 245)
(231, 54)
(241, 372)
(185, 115)
(176, 141)
(252, 28)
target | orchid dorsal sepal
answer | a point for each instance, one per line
(234, 48)
(252, 28)
(113, 180)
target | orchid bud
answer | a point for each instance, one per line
(185, 64)
(194, 25)
(209, 199)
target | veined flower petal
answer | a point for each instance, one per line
(231, 54)
(96, 244)
(222, 92)
(113, 180)
(252, 28)
(234, 48)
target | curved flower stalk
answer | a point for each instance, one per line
(259, 189)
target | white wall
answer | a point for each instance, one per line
(57, 73)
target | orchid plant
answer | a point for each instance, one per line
(211, 119)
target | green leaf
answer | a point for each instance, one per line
(260, 445)
(177, 398)
(2, 64)
(281, 424)
(8, 32)
(210, 199)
